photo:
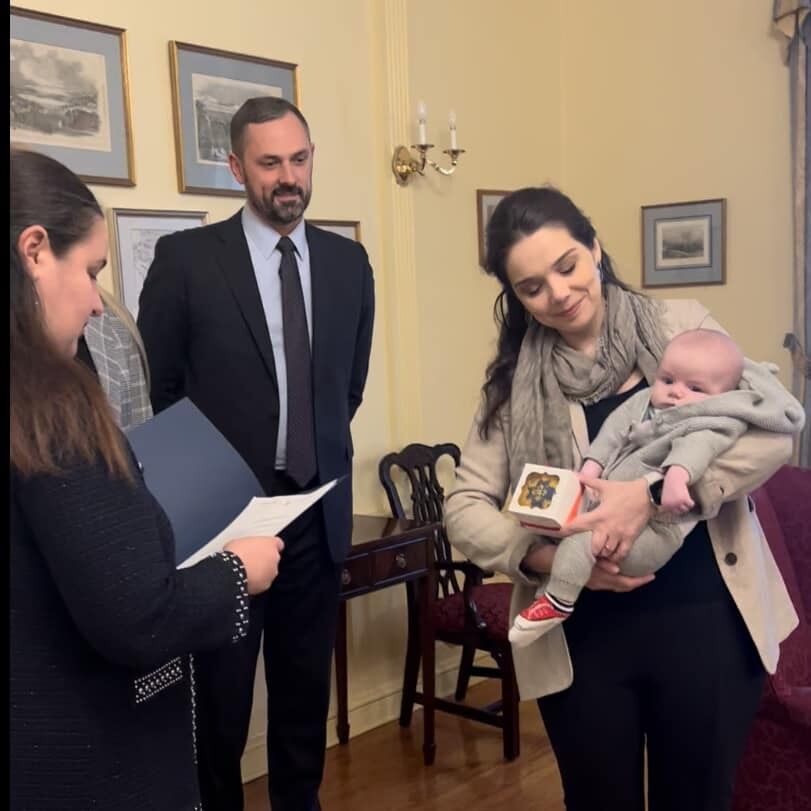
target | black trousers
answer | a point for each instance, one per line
(682, 681)
(298, 617)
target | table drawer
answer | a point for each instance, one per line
(408, 558)
(356, 573)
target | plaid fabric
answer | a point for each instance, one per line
(121, 366)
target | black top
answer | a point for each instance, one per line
(83, 354)
(101, 625)
(690, 576)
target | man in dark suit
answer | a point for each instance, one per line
(265, 322)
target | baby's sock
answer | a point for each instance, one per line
(545, 613)
(560, 605)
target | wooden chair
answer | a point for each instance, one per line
(474, 615)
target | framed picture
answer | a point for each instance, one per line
(134, 233)
(208, 87)
(486, 202)
(345, 228)
(683, 243)
(70, 94)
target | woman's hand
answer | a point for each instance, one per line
(605, 576)
(624, 510)
(539, 559)
(260, 556)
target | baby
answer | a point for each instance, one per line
(705, 395)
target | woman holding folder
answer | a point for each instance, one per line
(102, 624)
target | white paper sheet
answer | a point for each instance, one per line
(262, 516)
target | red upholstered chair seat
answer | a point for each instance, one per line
(493, 602)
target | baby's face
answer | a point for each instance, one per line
(687, 376)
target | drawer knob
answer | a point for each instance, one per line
(400, 560)
(346, 578)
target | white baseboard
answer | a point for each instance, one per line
(363, 717)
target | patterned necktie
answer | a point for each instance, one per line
(301, 460)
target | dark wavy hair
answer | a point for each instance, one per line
(59, 412)
(517, 216)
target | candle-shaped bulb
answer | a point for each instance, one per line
(452, 124)
(422, 118)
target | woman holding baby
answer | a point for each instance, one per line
(667, 668)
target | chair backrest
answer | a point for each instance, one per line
(419, 463)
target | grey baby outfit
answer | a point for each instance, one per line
(637, 439)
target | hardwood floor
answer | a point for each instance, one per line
(383, 769)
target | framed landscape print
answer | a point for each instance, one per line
(70, 94)
(486, 202)
(208, 87)
(683, 244)
(134, 233)
(345, 228)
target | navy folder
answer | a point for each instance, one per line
(198, 478)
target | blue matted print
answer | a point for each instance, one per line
(208, 87)
(684, 243)
(70, 94)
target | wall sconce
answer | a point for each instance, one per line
(405, 163)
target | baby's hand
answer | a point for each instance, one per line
(675, 494)
(591, 469)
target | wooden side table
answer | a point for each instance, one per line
(386, 552)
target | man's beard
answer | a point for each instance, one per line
(281, 213)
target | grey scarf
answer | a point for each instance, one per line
(549, 374)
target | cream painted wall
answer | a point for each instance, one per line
(667, 102)
(621, 104)
(502, 76)
(335, 88)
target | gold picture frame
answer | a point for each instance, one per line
(486, 201)
(83, 117)
(133, 234)
(208, 86)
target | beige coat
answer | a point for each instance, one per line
(479, 529)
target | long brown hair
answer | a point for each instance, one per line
(59, 412)
(520, 215)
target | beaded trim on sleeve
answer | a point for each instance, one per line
(152, 683)
(242, 619)
(193, 694)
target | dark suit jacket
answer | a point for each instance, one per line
(201, 318)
